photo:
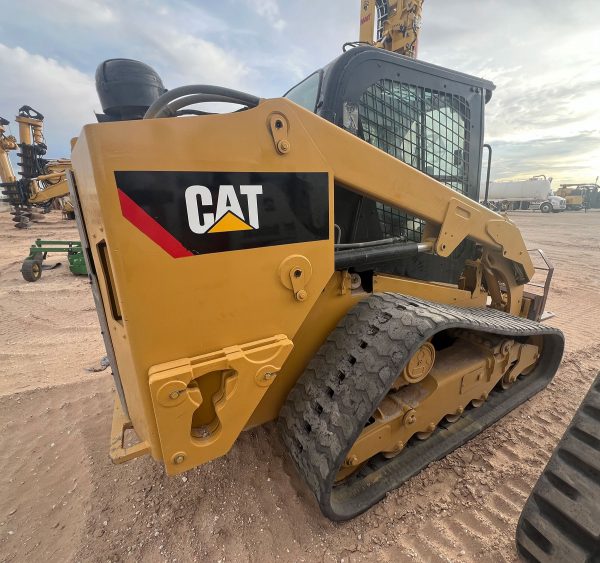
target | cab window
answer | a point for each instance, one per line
(423, 127)
(306, 93)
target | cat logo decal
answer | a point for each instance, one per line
(227, 215)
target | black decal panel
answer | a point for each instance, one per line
(203, 212)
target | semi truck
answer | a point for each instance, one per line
(534, 194)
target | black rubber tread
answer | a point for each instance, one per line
(354, 369)
(28, 270)
(561, 518)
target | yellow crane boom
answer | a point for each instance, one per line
(7, 143)
(396, 22)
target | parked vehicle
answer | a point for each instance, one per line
(580, 196)
(535, 194)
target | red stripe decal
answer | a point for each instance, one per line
(140, 219)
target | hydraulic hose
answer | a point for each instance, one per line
(209, 93)
(170, 110)
(348, 245)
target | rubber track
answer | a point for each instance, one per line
(353, 370)
(561, 518)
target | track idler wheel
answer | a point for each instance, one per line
(420, 364)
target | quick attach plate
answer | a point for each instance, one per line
(175, 387)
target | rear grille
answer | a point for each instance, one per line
(425, 128)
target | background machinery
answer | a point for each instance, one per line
(580, 196)
(7, 143)
(320, 259)
(42, 182)
(533, 194)
(396, 24)
(33, 266)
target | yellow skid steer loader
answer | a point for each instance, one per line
(320, 259)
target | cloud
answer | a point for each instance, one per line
(569, 159)
(543, 117)
(65, 95)
(90, 11)
(268, 9)
(183, 58)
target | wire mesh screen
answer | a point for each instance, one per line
(425, 128)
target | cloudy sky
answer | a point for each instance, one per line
(543, 56)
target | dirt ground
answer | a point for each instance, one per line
(62, 500)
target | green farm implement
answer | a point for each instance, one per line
(33, 265)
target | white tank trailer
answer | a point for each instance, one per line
(533, 194)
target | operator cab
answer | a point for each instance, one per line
(430, 117)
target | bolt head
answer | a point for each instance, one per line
(179, 459)
(174, 394)
(411, 419)
(283, 146)
(301, 295)
(355, 281)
